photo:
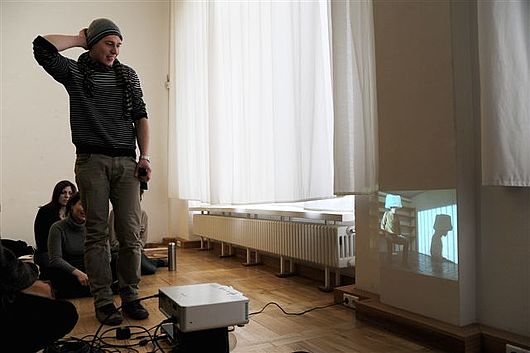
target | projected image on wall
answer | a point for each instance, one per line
(419, 232)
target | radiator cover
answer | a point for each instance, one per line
(324, 244)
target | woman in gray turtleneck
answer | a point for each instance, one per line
(66, 244)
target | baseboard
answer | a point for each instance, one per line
(467, 339)
(430, 332)
(495, 340)
(350, 289)
(182, 243)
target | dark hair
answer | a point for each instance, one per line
(71, 203)
(58, 189)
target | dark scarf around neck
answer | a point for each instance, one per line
(88, 67)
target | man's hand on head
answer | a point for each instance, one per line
(82, 34)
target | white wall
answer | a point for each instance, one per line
(417, 140)
(36, 149)
(504, 261)
(494, 223)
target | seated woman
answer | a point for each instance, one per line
(47, 215)
(66, 250)
(30, 319)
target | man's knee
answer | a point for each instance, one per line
(130, 240)
(96, 238)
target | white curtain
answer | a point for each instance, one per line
(355, 100)
(253, 102)
(504, 44)
(254, 98)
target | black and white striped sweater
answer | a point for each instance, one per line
(97, 120)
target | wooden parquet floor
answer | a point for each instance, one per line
(329, 330)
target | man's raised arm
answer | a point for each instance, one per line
(63, 41)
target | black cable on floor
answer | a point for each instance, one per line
(289, 313)
(101, 325)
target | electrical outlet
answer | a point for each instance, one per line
(349, 300)
(514, 349)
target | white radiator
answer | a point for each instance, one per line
(329, 245)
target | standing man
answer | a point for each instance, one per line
(107, 119)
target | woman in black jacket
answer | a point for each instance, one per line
(30, 319)
(47, 215)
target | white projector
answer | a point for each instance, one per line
(203, 306)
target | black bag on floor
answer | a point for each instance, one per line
(18, 247)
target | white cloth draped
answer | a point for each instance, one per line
(355, 98)
(253, 101)
(504, 54)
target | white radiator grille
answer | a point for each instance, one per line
(324, 244)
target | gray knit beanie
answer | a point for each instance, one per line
(100, 28)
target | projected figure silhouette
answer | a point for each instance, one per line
(442, 225)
